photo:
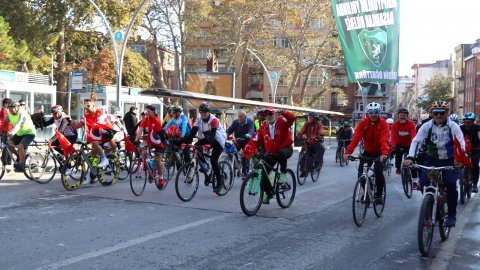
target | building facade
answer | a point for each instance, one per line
(472, 84)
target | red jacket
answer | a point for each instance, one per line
(403, 134)
(375, 137)
(283, 134)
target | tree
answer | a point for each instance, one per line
(137, 71)
(437, 88)
(12, 56)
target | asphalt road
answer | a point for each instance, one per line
(47, 227)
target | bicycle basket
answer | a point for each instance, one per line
(230, 148)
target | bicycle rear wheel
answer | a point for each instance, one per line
(468, 182)
(250, 194)
(407, 181)
(360, 201)
(425, 225)
(227, 175)
(78, 168)
(40, 167)
(378, 209)
(4, 160)
(302, 163)
(138, 179)
(187, 181)
(285, 192)
(125, 160)
(169, 166)
(342, 160)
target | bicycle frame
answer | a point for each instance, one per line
(260, 168)
(144, 151)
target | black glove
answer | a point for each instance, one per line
(136, 144)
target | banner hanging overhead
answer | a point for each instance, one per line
(369, 33)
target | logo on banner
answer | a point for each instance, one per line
(374, 45)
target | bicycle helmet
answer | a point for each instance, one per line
(390, 121)
(56, 109)
(454, 118)
(313, 114)
(346, 124)
(403, 110)
(469, 116)
(373, 106)
(204, 107)
(176, 108)
(442, 105)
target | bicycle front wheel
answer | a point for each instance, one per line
(378, 208)
(250, 194)
(442, 211)
(125, 159)
(227, 175)
(186, 182)
(40, 167)
(360, 201)
(301, 167)
(407, 181)
(138, 179)
(108, 175)
(425, 225)
(285, 192)
(76, 168)
(462, 187)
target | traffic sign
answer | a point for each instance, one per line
(273, 75)
(118, 36)
(76, 81)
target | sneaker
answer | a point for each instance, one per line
(475, 189)
(103, 162)
(93, 178)
(450, 222)
(266, 198)
(282, 178)
(19, 167)
(398, 171)
(415, 185)
(160, 183)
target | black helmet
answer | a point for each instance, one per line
(204, 107)
(313, 114)
(346, 124)
(176, 108)
(403, 110)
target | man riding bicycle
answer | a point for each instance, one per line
(242, 128)
(22, 134)
(439, 135)
(210, 132)
(403, 132)
(156, 138)
(375, 133)
(276, 136)
(344, 135)
(180, 121)
(472, 131)
(313, 131)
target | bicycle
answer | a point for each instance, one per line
(406, 175)
(188, 178)
(8, 159)
(306, 164)
(340, 152)
(42, 166)
(81, 163)
(432, 210)
(251, 192)
(146, 169)
(234, 157)
(173, 159)
(364, 191)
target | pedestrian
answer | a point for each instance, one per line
(130, 120)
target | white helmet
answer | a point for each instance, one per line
(390, 121)
(373, 106)
(454, 118)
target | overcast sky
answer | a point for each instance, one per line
(430, 29)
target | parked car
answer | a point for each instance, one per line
(326, 131)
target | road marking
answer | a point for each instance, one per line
(129, 243)
(447, 249)
(59, 197)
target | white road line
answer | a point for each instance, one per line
(129, 243)
(447, 250)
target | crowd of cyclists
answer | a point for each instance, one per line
(433, 142)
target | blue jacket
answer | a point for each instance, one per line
(242, 130)
(182, 123)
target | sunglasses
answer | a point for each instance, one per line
(23, 104)
(269, 113)
(373, 112)
(438, 113)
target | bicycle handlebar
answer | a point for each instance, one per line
(374, 159)
(433, 168)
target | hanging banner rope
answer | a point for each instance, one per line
(369, 33)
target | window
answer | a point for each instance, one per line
(280, 42)
(16, 96)
(44, 100)
(138, 48)
(282, 81)
(317, 24)
(200, 53)
(334, 98)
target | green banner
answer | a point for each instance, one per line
(369, 32)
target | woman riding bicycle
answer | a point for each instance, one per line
(276, 136)
(62, 124)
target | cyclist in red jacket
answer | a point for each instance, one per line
(403, 132)
(375, 133)
(276, 136)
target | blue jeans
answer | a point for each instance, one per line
(450, 180)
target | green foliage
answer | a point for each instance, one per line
(12, 56)
(437, 88)
(136, 71)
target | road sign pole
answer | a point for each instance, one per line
(69, 93)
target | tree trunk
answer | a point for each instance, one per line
(159, 80)
(60, 74)
(304, 86)
(292, 86)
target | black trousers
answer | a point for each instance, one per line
(281, 157)
(378, 170)
(216, 152)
